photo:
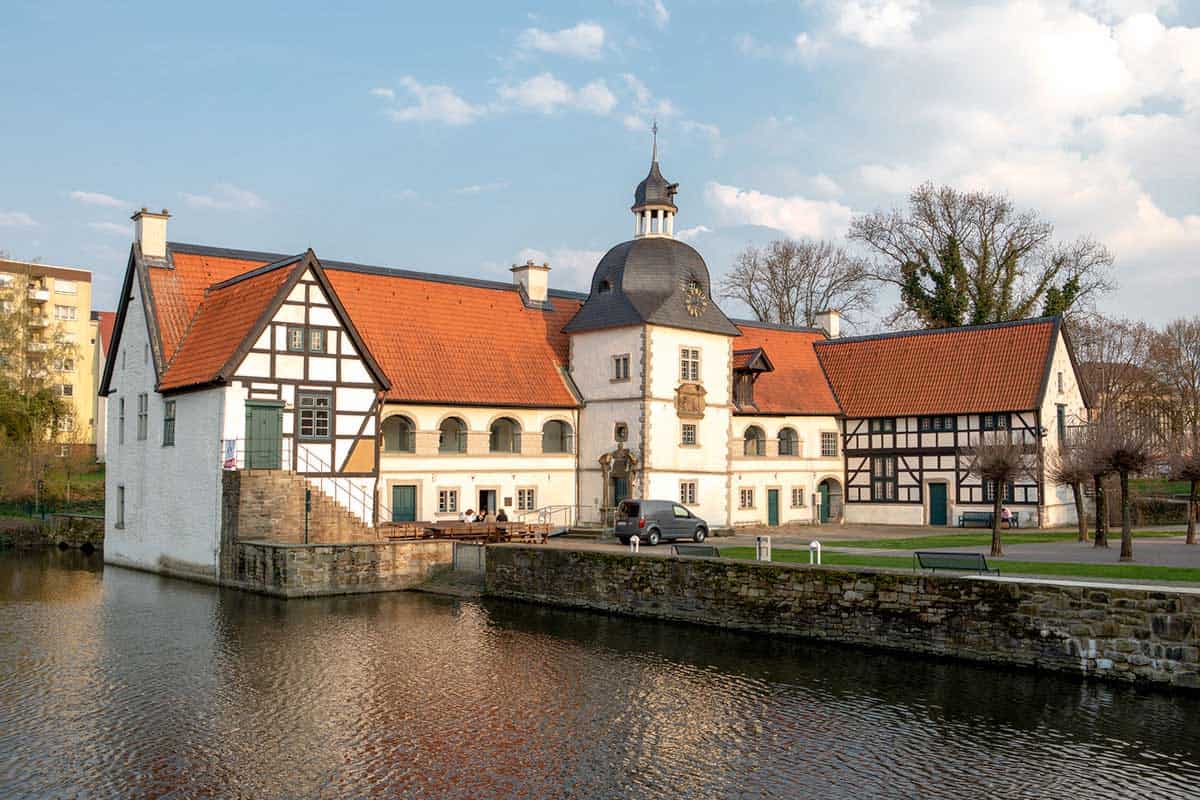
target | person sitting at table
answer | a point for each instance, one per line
(466, 516)
(482, 515)
(501, 516)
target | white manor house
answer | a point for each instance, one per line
(409, 396)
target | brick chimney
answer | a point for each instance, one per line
(533, 280)
(150, 231)
(830, 320)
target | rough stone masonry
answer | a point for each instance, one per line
(1123, 634)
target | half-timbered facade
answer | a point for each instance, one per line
(914, 404)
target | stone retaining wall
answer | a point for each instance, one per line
(298, 570)
(1125, 634)
(57, 530)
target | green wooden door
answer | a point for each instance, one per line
(404, 504)
(937, 504)
(264, 435)
(823, 490)
(620, 490)
(772, 507)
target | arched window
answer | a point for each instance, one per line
(604, 287)
(789, 442)
(452, 436)
(505, 436)
(557, 437)
(399, 435)
(754, 443)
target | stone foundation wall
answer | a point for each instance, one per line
(57, 530)
(1124, 634)
(269, 504)
(298, 570)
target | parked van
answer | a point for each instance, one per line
(653, 521)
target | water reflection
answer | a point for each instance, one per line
(117, 683)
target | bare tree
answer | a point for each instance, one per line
(1128, 451)
(1185, 466)
(1069, 467)
(997, 459)
(1115, 355)
(1091, 446)
(1175, 360)
(790, 281)
(960, 257)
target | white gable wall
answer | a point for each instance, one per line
(172, 515)
(1060, 502)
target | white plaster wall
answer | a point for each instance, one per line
(592, 367)
(172, 494)
(552, 475)
(710, 493)
(773, 471)
(1060, 503)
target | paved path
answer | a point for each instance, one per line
(1163, 552)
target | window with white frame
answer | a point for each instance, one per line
(315, 412)
(829, 444)
(316, 340)
(526, 499)
(143, 416)
(66, 423)
(689, 364)
(66, 390)
(621, 367)
(168, 439)
(687, 493)
(447, 501)
(745, 498)
(64, 313)
(883, 477)
(64, 287)
(688, 435)
(66, 365)
(295, 339)
(797, 497)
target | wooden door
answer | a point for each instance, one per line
(772, 507)
(404, 504)
(938, 513)
(264, 435)
(823, 490)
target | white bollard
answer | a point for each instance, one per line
(635, 543)
(814, 552)
(762, 548)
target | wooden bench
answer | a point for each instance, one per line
(695, 550)
(958, 562)
(983, 519)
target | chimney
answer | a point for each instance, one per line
(830, 320)
(150, 231)
(533, 280)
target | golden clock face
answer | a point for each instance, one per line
(694, 298)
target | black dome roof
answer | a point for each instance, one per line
(645, 281)
(655, 190)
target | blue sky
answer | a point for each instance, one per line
(460, 138)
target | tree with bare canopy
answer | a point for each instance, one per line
(1185, 466)
(790, 281)
(1128, 451)
(1092, 449)
(972, 257)
(1069, 467)
(997, 459)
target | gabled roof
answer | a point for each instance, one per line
(753, 360)
(797, 385)
(104, 329)
(974, 369)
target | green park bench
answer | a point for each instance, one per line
(695, 550)
(982, 519)
(958, 562)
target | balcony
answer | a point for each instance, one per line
(38, 294)
(38, 322)
(38, 347)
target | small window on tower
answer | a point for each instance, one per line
(604, 287)
(621, 432)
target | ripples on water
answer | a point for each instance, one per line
(120, 684)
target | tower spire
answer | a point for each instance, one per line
(654, 139)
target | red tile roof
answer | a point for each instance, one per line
(105, 321)
(224, 320)
(437, 341)
(956, 371)
(456, 343)
(797, 385)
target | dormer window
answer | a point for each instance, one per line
(604, 287)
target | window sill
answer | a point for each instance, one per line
(618, 380)
(120, 526)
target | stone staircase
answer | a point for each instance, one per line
(271, 506)
(586, 530)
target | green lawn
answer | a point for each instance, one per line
(977, 538)
(1159, 486)
(1102, 571)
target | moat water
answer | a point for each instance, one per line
(116, 683)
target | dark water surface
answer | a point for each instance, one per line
(119, 684)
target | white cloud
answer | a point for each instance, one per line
(225, 197)
(432, 103)
(16, 219)
(712, 132)
(653, 10)
(99, 199)
(794, 215)
(385, 93)
(547, 94)
(803, 49)
(111, 228)
(570, 268)
(687, 234)
(480, 188)
(647, 108)
(824, 185)
(585, 40)
(876, 23)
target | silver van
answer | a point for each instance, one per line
(653, 521)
